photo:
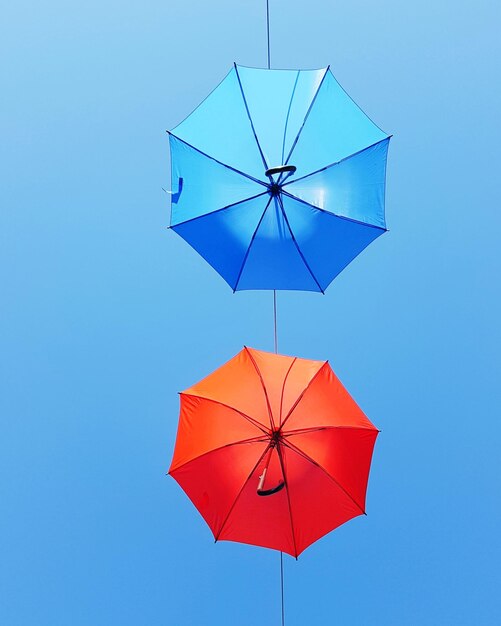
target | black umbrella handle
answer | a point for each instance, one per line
(281, 169)
(268, 492)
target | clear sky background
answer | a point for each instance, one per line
(106, 315)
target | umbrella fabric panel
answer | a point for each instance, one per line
(274, 260)
(352, 188)
(345, 453)
(223, 237)
(327, 242)
(205, 425)
(300, 377)
(325, 403)
(262, 521)
(334, 129)
(201, 185)
(237, 384)
(220, 127)
(273, 375)
(214, 481)
(277, 102)
(284, 378)
(317, 503)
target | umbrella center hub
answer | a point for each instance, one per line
(275, 189)
(276, 436)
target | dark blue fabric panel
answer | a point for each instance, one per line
(274, 261)
(223, 238)
(328, 243)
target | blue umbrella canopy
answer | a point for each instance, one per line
(278, 179)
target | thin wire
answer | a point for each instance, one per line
(268, 29)
(275, 320)
(282, 585)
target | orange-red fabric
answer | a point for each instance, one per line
(289, 419)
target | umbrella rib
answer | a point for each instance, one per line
(283, 389)
(282, 465)
(216, 537)
(233, 169)
(341, 217)
(307, 115)
(287, 118)
(250, 244)
(229, 206)
(250, 119)
(226, 445)
(303, 392)
(350, 156)
(297, 245)
(290, 445)
(227, 406)
(357, 106)
(305, 431)
(272, 423)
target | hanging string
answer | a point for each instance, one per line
(268, 28)
(275, 321)
(275, 336)
(282, 585)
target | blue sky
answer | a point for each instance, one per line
(106, 315)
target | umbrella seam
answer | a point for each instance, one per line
(305, 431)
(358, 107)
(297, 245)
(216, 536)
(307, 457)
(283, 389)
(307, 115)
(272, 421)
(280, 69)
(206, 98)
(317, 373)
(234, 169)
(282, 464)
(226, 445)
(250, 119)
(229, 206)
(287, 117)
(250, 244)
(257, 424)
(346, 158)
(341, 217)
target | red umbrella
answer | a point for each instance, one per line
(273, 451)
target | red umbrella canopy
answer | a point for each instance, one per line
(273, 451)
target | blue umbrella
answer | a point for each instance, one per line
(278, 179)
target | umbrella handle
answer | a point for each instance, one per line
(280, 169)
(268, 492)
(175, 194)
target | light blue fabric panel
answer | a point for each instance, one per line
(328, 243)
(223, 238)
(353, 188)
(334, 129)
(304, 93)
(206, 186)
(274, 261)
(221, 128)
(277, 101)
